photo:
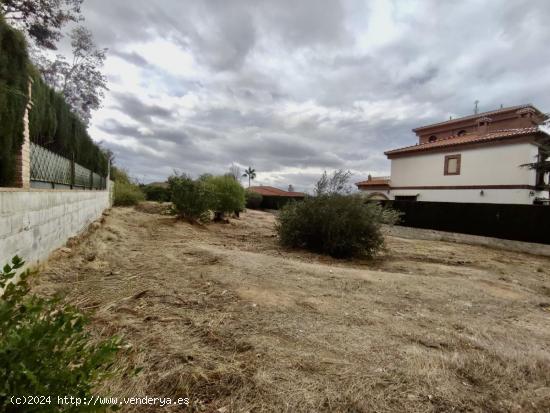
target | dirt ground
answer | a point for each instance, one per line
(223, 315)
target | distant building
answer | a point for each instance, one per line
(475, 158)
(275, 198)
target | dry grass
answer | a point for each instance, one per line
(223, 315)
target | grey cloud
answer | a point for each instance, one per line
(132, 57)
(138, 110)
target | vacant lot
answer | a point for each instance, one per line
(225, 316)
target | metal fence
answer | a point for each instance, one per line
(50, 170)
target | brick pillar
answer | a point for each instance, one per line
(23, 158)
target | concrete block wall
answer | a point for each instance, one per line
(33, 223)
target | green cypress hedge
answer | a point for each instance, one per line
(51, 121)
(13, 98)
(53, 125)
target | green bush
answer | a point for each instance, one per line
(334, 224)
(156, 193)
(127, 194)
(227, 194)
(253, 199)
(45, 349)
(192, 199)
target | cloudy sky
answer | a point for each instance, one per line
(294, 87)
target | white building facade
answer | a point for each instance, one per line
(463, 161)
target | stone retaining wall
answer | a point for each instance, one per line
(33, 223)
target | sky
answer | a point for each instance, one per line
(296, 87)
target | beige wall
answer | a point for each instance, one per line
(490, 165)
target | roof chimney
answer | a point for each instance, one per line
(483, 124)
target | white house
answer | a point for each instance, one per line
(475, 158)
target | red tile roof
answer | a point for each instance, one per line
(466, 139)
(375, 181)
(480, 115)
(271, 191)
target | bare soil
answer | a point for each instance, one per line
(225, 316)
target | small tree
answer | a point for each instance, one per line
(338, 183)
(81, 81)
(192, 199)
(235, 172)
(227, 195)
(250, 173)
(41, 20)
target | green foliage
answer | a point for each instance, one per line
(192, 199)
(127, 193)
(334, 224)
(156, 193)
(53, 125)
(13, 98)
(51, 122)
(253, 199)
(45, 348)
(227, 194)
(118, 174)
(390, 216)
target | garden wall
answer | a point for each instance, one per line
(34, 222)
(529, 223)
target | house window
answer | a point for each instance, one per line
(432, 138)
(452, 165)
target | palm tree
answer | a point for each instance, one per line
(250, 173)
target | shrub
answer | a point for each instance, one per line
(45, 349)
(127, 193)
(390, 216)
(253, 199)
(192, 199)
(227, 195)
(334, 224)
(156, 193)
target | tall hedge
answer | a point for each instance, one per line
(13, 98)
(51, 121)
(53, 125)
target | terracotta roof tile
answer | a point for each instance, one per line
(479, 115)
(466, 139)
(375, 181)
(271, 191)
